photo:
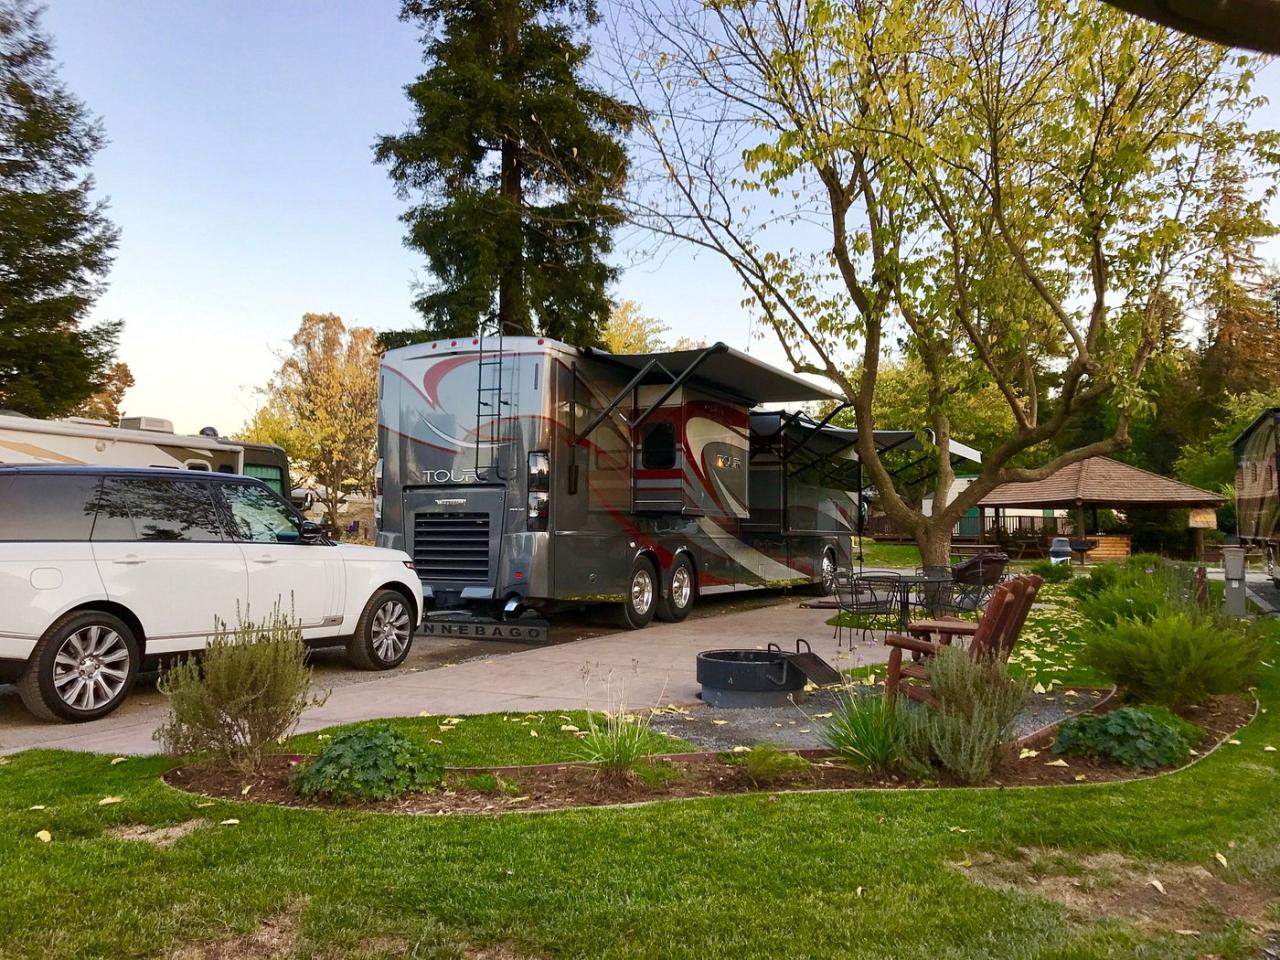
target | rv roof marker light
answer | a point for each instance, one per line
(474, 342)
(454, 343)
(434, 345)
(541, 341)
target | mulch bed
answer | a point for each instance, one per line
(560, 786)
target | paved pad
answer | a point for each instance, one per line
(645, 667)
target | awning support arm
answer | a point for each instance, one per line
(817, 428)
(678, 381)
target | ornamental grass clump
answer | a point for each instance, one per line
(866, 731)
(243, 696)
(374, 762)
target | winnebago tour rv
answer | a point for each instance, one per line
(528, 474)
(1258, 486)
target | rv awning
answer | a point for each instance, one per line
(906, 441)
(723, 369)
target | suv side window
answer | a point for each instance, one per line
(156, 510)
(259, 516)
(47, 506)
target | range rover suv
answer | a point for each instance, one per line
(105, 571)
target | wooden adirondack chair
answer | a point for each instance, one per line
(993, 636)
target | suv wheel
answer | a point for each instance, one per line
(675, 605)
(641, 598)
(383, 632)
(81, 669)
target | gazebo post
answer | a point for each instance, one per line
(1081, 531)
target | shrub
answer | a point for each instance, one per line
(975, 704)
(1175, 660)
(1144, 601)
(1052, 572)
(618, 745)
(866, 731)
(1131, 735)
(1099, 578)
(765, 764)
(368, 763)
(242, 697)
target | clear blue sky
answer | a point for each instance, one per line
(240, 172)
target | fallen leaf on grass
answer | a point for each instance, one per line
(454, 720)
(959, 830)
(858, 892)
(208, 803)
(1234, 743)
(1157, 884)
(568, 728)
(115, 760)
(1081, 776)
(108, 801)
(741, 749)
(966, 863)
(229, 822)
(1220, 858)
(1188, 933)
(44, 836)
(423, 713)
(1057, 763)
(37, 806)
(719, 723)
(822, 716)
(1268, 749)
(244, 791)
(518, 799)
(434, 740)
(533, 733)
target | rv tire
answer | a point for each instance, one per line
(641, 597)
(682, 590)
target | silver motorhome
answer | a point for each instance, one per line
(527, 473)
(137, 442)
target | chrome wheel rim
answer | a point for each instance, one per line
(91, 667)
(641, 592)
(681, 587)
(390, 630)
(828, 572)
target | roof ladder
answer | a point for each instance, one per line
(490, 404)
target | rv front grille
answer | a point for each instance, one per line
(451, 546)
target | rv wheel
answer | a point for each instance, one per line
(642, 596)
(826, 584)
(676, 603)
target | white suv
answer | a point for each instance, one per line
(104, 570)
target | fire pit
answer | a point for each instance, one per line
(759, 678)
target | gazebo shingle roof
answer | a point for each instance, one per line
(1101, 482)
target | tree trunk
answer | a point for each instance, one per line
(934, 540)
(513, 315)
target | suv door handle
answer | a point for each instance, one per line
(265, 558)
(129, 559)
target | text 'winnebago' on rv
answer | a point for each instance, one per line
(526, 473)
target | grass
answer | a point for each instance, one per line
(893, 556)
(841, 874)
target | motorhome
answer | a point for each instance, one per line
(1257, 457)
(136, 442)
(527, 473)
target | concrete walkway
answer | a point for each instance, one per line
(648, 667)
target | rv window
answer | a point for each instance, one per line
(161, 510)
(659, 448)
(46, 507)
(196, 465)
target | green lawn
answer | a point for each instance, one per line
(859, 874)
(895, 556)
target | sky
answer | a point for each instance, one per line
(239, 171)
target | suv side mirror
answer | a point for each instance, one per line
(311, 531)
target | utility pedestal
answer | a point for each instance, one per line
(1237, 603)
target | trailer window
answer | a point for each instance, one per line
(658, 451)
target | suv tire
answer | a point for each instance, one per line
(642, 595)
(384, 632)
(82, 668)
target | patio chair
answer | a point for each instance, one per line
(993, 636)
(874, 600)
(974, 579)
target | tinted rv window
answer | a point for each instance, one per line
(268, 473)
(46, 507)
(161, 510)
(659, 450)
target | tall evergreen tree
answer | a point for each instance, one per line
(55, 240)
(514, 157)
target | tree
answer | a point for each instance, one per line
(1004, 192)
(514, 157)
(630, 331)
(105, 404)
(322, 407)
(55, 240)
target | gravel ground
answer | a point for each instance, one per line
(799, 726)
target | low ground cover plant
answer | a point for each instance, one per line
(243, 696)
(367, 763)
(1176, 659)
(765, 764)
(1052, 572)
(1133, 736)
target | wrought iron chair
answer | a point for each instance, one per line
(933, 597)
(975, 579)
(868, 601)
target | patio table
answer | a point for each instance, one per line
(906, 581)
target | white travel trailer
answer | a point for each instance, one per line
(137, 442)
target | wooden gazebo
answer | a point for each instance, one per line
(1100, 482)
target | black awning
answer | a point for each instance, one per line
(724, 370)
